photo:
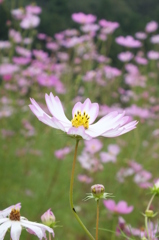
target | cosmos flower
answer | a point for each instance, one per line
(121, 207)
(10, 219)
(83, 115)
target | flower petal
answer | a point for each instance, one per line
(36, 109)
(123, 208)
(56, 109)
(121, 130)
(80, 131)
(4, 227)
(52, 122)
(104, 124)
(15, 230)
(38, 228)
(91, 109)
(110, 204)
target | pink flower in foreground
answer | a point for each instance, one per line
(83, 115)
(121, 207)
(48, 218)
(10, 219)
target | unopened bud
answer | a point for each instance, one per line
(98, 190)
(155, 188)
(149, 213)
(48, 218)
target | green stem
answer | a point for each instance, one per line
(71, 194)
(49, 236)
(146, 218)
(97, 220)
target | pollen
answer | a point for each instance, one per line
(80, 120)
(15, 215)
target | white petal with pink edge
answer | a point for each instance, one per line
(56, 109)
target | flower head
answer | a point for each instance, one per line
(83, 115)
(10, 218)
(98, 191)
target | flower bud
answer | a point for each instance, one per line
(48, 218)
(98, 190)
(155, 188)
(149, 213)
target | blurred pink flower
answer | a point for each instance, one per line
(128, 41)
(84, 178)
(120, 208)
(141, 35)
(30, 21)
(135, 166)
(127, 229)
(61, 153)
(21, 60)
(125, 56)
(108, 26)
(141, 60)
(111, 155)
(151, 26)
(155, 39)
(8, 68)
(5, 44)
(93, 146)
(33, 9)
(111, 72)
(15, 36)
(23, 51)
(153, 55)
(83, 18)
(83, 115)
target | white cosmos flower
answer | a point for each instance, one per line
(83, 115)
(10, 219)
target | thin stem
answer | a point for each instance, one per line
(149, 204)
(97, 220)
(49, 236)
(146, 226)
(146, 218)
(71, 194)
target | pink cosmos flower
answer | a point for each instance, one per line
(61, 153)
(155, 39)
(151, 26)
(111, 155)
(84, 178)
(141, 60)
(141, 35)
(83, 18)
(125, 56)
(30, 21)
(33, 9)
(93, 146)
(128, 41)
(120, 208)
(83, 116)
(153, 55)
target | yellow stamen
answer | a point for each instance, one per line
(80, 120)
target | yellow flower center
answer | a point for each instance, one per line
(80, 120)
(14, 215)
